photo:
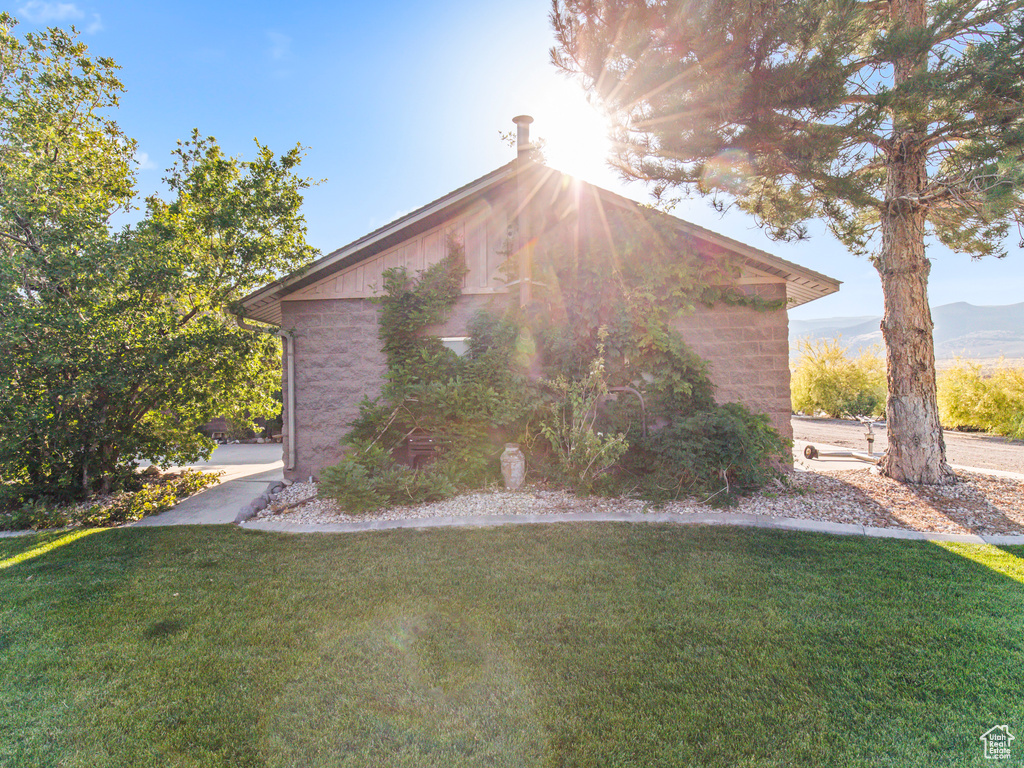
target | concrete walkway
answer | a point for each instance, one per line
(248, 470)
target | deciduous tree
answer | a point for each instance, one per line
(116, 346)
(891, 120)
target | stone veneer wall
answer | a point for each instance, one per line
(338, 361)
(748, 354)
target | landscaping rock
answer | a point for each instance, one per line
(255, 506)
(979, 505)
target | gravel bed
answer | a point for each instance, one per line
(978, 504)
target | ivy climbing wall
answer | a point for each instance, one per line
(748, 353)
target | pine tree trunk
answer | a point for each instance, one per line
(917, 452)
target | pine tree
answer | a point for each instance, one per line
(890, 120)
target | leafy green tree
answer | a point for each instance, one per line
(116, 346)
(826, 379)
(890, 121)
(974, 399)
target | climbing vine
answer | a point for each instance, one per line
(547, 377)
(409, 304)
(467, 406)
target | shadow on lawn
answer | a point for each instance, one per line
(161, 630)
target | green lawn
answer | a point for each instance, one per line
(567, 645)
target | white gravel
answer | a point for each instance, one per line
(979, 504)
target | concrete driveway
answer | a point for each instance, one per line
(247, 471)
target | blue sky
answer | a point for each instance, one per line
(400, 103)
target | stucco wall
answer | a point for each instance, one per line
(337, 361)
(748, 354)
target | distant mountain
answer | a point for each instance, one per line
(961, 330)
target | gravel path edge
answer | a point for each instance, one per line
(737, 520)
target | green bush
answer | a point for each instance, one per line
(993, 403)
(151, 499)
(718, 454)
(153, 495)
(368, 479)
(582, 454)
(35, 516)
(827, 380)
(129, 507)
(192, 481)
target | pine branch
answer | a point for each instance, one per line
(965, 191)
(963, 23)
(841, 131)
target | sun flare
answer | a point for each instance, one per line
(575, 133)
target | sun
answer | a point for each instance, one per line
(575, 133)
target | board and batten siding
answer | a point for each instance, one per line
(483, 230)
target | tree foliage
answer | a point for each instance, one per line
(889, 121)
(116, 346)
(826, 380)
(993, 402)
(791, 108)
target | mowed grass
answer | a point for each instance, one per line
(561, 645)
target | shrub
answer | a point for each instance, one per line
(970, 399)
(827, 380)
(129, 507)
(154, 494)
(192, 481)
(33, 515)
(582, 454)
(722, 453)
(369, 479)
(150, 499)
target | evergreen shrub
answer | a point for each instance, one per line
(369, 479)
(718, 455)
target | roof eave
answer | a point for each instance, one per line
(341, 257)
(802, 285)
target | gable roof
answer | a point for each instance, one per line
(264, 304)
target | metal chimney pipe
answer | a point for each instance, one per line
(523, 146)
(525, 168)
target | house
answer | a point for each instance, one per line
(332, 356)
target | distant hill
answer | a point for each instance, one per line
(961, 330)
